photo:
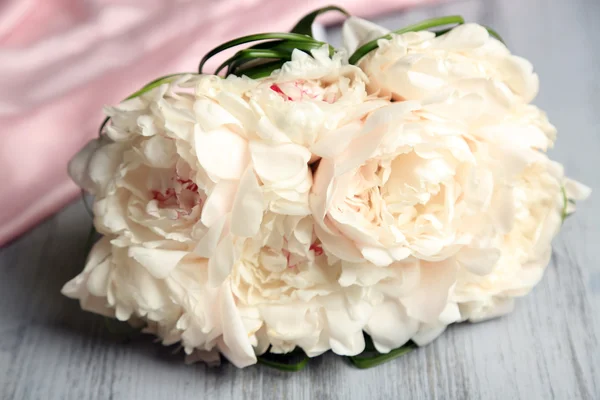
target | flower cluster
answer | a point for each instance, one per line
(394, 197)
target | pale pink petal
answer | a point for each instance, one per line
(357, 31)
(219, 202)
(234, 344)
(221, 262)
(429, 299)
(390, 327)
(248, 206)
(222, 153)
(157, 262)
(279, 163)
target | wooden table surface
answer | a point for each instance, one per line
(548, 348)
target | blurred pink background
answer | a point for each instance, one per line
(62, 60)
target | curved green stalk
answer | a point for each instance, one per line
(304, 26)
(421, 26)
(492, 33)
(283, 366)
(253, 54)
(252, 38)
(363, 362)
(260, 71)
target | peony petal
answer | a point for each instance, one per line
(357, 31)
(428, 333)
(221, 262)
(463, 37)
(78, 166)
(390, 327)
(234, 344)
(576, 190)
(373, 133)
(480, 261)
(496, 307)
(338, 245)
(279, 163)
(98, 279)
(219, 202)
(211, 116)
(100, 253)
(248, 206)
(160, 152)
(378, 256)
(158, 262)
(222, 153)
(337, 141)
(287, 322)
(104, 164)
(320, 194)
(427, 302)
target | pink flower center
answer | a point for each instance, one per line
(182, 197)
(293, 91)
(275, 87)
(317, 248)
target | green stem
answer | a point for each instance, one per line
(252, 38)
(563, 214)
(421, 26)
(253, 54)
(304, 26)
(282, 366)
(369, 362)
(259, 71)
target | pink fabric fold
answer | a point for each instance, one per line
(62, 60)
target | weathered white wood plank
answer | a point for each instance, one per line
(548, 348)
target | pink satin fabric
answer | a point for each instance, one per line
(62, 60)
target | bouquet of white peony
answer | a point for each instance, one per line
(357, 200)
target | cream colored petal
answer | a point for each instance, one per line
(222, 153)
(158, 262)
(357, 31)
(248, 206)
(234, 344)
(429, 299)
(219, 202)
(390, 327)
(279, 163)
(221, 262)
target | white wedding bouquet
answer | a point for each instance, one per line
(357, 200)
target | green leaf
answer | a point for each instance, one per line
(421, 26)
(304, 26)
(492, 33)
(283, 362)
(563, 214)
(120, 329)
(364, 362)
(253, 54)
(155, 83)
(252, 38)
(284, 47)
(260, 71)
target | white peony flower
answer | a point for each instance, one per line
(416, 65)
(204, 214)
(426, 186)
(300, 210)
(525, 250)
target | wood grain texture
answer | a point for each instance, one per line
(547, 349)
